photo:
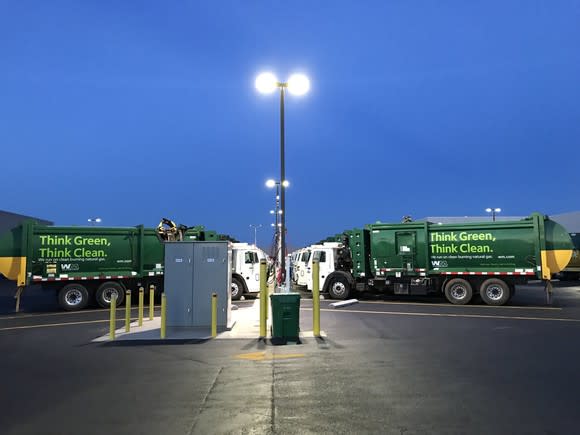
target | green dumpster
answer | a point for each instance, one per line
(285, 316)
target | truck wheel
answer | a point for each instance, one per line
(106, 291)
(494, 291)
(458, 291)
(339, 288)
(73, 297)
(237, 289)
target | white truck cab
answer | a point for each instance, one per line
(245, 269)
(295, 268)
(326, 255)
(301, 265)
(297, 264)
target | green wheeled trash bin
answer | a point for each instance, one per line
(285, 317)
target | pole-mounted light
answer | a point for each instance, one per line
(297, 84)
(493, 212)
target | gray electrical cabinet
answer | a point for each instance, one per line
(193, 271)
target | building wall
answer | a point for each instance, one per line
(570, 221)
(10, 220)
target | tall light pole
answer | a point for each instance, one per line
(278, 212)
(297, 84)
(493, 211)
(255, 227)
(275, 251)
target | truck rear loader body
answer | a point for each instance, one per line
(90, 263)
(458, 260)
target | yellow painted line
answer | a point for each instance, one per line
(443, 305)
(51, 325)
(65, 313)
(475, 316)
(262, 356)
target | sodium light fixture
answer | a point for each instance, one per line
(298, 84)
(266, 83)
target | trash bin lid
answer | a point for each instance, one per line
(285, 298)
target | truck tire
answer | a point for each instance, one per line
(494, 291)
(339, 287)
(458, 291)
(105, 292)
(73, 297)
(512, 292)
(237, 289)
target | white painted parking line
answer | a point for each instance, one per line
(472, 316)
(444, 305)
(52, 325)
(66, 313)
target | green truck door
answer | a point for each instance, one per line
(405, 245)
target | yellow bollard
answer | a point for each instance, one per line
(141, 302)
(163, 316)
(128, 311)
(214, 315)
(316, 298)
(113, 317)
(151, 301)
(263, 298)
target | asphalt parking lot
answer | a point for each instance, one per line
(387, 366)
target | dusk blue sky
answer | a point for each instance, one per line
(137, 110)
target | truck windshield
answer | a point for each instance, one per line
(306, 257)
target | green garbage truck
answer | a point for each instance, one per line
(90, 263)
(458, 260)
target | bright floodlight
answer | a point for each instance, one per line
(270, 183)
(266, 83)
(285, 183)
(488, 210)
(298, 84)
(497, 210)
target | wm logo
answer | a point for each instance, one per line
(67, 267)
(439, 263)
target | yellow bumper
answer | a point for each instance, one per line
(14, 268)
(554, 261)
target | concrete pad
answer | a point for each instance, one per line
(310, 334)
(245, 325)
(151, 330)
(342, 304)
